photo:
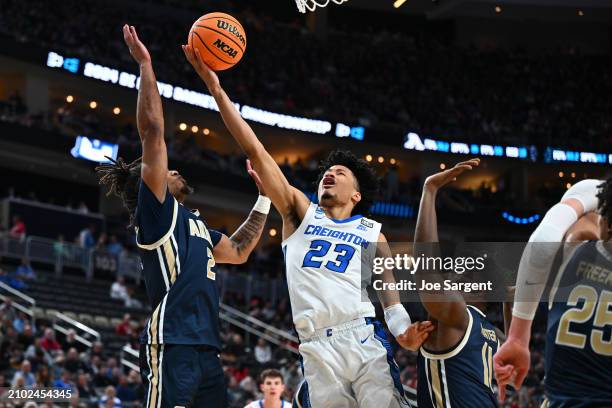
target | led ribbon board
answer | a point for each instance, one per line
(413, 141)
(188, 96)
(559, 155)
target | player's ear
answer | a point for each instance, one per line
(356, 197)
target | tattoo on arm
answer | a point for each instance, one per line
(246, 236)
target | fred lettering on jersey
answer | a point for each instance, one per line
(176, 249)
(323, 259)
(461, 377)
(578, 356)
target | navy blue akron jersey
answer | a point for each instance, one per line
(461, 377)
(179, 269)
(579, 334)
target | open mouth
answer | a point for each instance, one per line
(328, 182)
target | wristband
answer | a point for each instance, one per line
(397, 319)
(262, 205)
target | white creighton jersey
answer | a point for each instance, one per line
(323, 259)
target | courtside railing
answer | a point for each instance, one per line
(25, 304)
(254, 326)
(61, 254)
(84, 334)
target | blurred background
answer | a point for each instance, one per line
(411, 86)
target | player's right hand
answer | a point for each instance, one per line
(510, 365)
(415, 335)
(438, 180)
(137, 48)
(209, 76)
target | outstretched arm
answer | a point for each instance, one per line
(149, 118)
(410, 336)
(237, 248)
(449, 309)
(289, 201)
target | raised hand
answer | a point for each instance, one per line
(255, 177)
(438, 180)
(137, 48)
(209, 76)
(415, 335)
(510, 365)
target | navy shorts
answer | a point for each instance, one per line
(176, 375)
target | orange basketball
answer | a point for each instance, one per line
(220, 39)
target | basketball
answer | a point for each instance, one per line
(220, 39)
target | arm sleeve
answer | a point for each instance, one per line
(537, 259)
(155, 221)
(215, 237)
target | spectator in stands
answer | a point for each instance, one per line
(125, 327)
(37, 355)
(131, 301)
(18, 229)
(109, 399)
(19, 322)
(82, 208)
(26, 337)
(12, 282)
(49, 343)
(97, 350)
(263, 352)
(114, 246)
(24, 270)
(64, 381)
(25, 372)
(70, 341)
(59, 247)
(73, 363)
(118, 289)
(43, 377)
(234, 349)
(85, 388)
(86, 237)
(124, 392)
(102, 242)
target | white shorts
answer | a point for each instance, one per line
(350, 365)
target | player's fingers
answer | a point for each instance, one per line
(133, 30)
(502, 392)
(187, 53)
(248, 164)
(520, 377)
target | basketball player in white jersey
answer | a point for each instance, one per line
(347, 360)
(272, 386)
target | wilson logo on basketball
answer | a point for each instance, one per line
(225, 48)
(232, 29)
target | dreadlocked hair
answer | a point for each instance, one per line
(367, 180)
(604, 205)
(123, 180)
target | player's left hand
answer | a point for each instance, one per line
(137, 48)
(439, 180)
(415, 335)
(255, 177)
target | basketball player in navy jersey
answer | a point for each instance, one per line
(455, 364)
(180, 344)
(578, 356)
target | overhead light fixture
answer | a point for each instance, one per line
(498, 9)
(398, 3)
